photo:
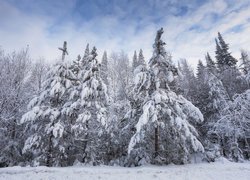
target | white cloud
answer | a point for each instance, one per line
(193, 45)
(110, 33)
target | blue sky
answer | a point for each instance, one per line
(114, 25)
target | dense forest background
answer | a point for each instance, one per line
(122, 112)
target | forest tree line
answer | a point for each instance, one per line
(115, 112)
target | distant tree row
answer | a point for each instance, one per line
(220, 90)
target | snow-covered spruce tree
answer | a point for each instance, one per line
(76, 65)
(141, 60)
(79, 64)
(245, 68)
(137, 95)
(204, 102)
(86, 53)
(132, 111)
(218, 95)
(211, 64)
(207, 80)
(47, 124)
(245, 62)
(228, 71)
(210, 92)
(216, 100)
(214, 88)
(77, 145)
(91, 125)
(202, 89)
(164, 132)
(138, 64)
(104, 68)
(200, 71)
(224, 58)
(134, 61)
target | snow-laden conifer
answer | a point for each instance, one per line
(91, 100)
(47, 123)
(164, 133)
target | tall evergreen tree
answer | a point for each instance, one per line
(163, 131)
(139, 92)
(75, 67)
(202, 93)
(91, 122)
(228, 71)
(245, 62)
(218, 99)
(141, 60)
(104, 68)
(47, 125)
(245, 67)
(200, 71)
(202, 90)
(224, 58)
(210, 64)
(85, 56)
(135, 61)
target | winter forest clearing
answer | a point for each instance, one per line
(106, 117)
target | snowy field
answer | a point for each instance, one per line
(212, 171)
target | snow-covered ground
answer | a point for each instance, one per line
(215, 171)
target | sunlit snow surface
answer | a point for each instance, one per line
(223, 170)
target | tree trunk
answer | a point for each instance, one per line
(13, 133)
(223, 147)
(86, 143)
(157, 141)
(49, 153)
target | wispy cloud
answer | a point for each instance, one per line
(129, 25)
